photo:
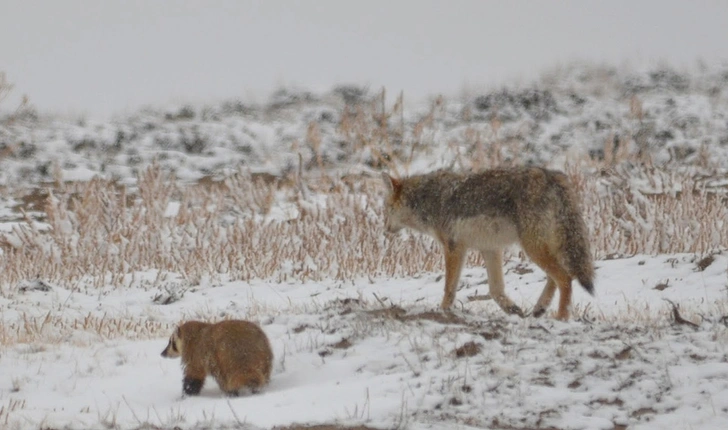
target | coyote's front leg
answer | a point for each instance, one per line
(454, 259)
(496, 284)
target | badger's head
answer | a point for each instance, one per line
(175, 345)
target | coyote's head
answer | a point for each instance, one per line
(397, 214)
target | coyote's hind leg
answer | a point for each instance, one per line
(546, 297)
(557, 277)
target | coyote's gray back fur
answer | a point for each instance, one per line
(540, 205)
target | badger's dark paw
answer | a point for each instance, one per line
(192, 387)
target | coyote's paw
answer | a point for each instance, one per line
(515, 310)
(538, 312)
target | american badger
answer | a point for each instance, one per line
(236, 353)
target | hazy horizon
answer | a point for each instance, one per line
(99, 58)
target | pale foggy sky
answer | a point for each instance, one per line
(99, 57)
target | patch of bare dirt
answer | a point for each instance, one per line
(342, 344)
(468, 349)
(437, 316)
(704, 263)
(522, 269)
(394, 312)
(662, 286)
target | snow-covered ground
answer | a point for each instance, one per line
(379, 352)
(373, 350)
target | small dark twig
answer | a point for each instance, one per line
(678, 318)
(540, 327)
(584, 317)
(724, 320)
(381, 301)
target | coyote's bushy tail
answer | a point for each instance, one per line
(575, 248)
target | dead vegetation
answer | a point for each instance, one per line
(95, 234)
(318, 220)
(54, 328)
(101, 235)
(24, 110)
(321, 220)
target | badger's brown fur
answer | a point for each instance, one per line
(236, 353)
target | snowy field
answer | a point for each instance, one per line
(378, 352)
(272, 213)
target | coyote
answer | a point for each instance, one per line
(490, 210)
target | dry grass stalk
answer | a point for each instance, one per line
(11, 406)
(320, 225)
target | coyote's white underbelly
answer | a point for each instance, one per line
(484, 233)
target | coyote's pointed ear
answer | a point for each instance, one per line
(393, 185)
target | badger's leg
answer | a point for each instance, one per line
(234, 385)
(193, 380)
